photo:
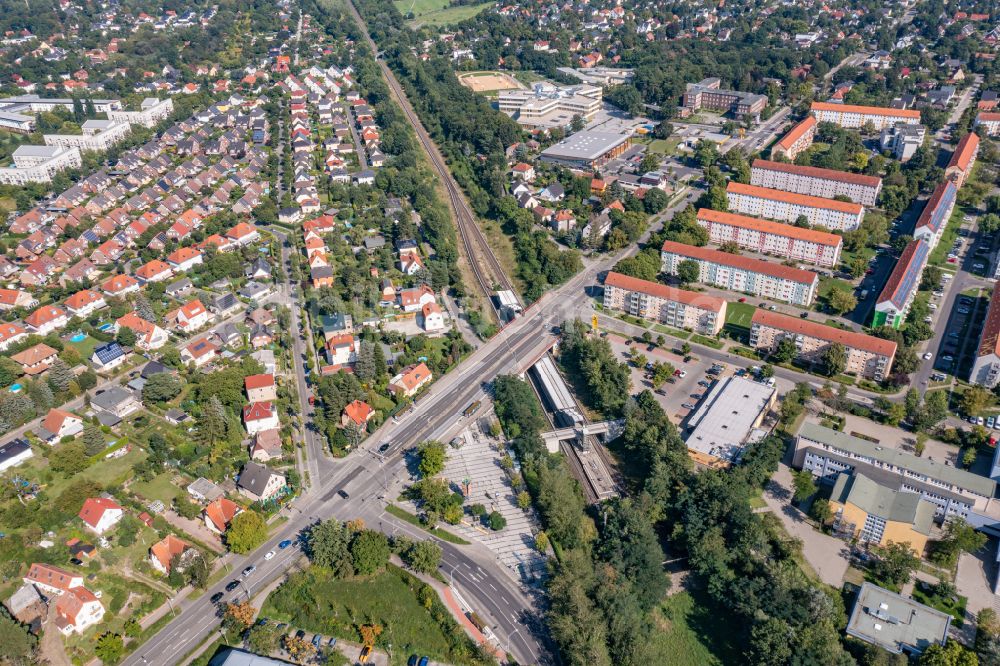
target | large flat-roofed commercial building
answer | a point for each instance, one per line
(797, 140)
(963, 159)
(707, 94)
(731, 417)
(152, 111)
(787, 206)
(678, 308)
(816, 182)
(896, 623)
(855, 117)
(546, 105)
(97, 135)
(39, 164)
(867, 356)
(744, 274)
(934, 218)
(826, 453)
(986, 366)
(770, 237)
(901, 287)
(871, 513)
(587, 150)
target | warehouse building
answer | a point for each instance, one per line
(798, 139)
(816, 182)
(731, 417)
(852, 116)
(934, 218)
(787, 206)
(744, 274)
(901, 287)
(678, 308)
(867, 356)
(768, 237)
(587, 150)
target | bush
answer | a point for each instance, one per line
(497, 522)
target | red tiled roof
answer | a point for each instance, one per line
(258, 381)
(167, 548)
(989, 340)
(813, 329)
(867, 110)
(82, 299)
(44, 315)
(692, 298)
(94, 508)
(816, 172)
(988, 117)
(770, 227)
(257, 411)
(796, 132)
(965, 151)
(46, 574)
(741, 262)
(221, 512)
(792, 198)
(359, 412)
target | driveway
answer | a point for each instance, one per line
(827, 555)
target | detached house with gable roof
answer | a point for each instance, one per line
(100, 514)
(411, 380)
(77, 608)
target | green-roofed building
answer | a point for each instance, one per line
(877, 514)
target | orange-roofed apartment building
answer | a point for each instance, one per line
(989, 120)
(867, 356)
(798, 139)
(788, 206)
(745, 274)
(774, 238)
(667, 305)
(986, 367)
(852, 116)
(815, 182)
(963, 159)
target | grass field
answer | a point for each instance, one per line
(161, 488)
(691, 630)
(438, 12)
(738, 316)
(85, 346)
(664, 146)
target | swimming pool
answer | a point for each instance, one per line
(78, 337)
(105, 327)
(14, 388)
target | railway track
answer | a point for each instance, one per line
(488, 272)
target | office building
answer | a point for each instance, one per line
(39, 164)
(97, 135)
(152, 112)
(768, 237)
(731, 417)
(798, 139)
(871, 513)
(789, 207)
(896, 623)
(963, 159)
(902, 140)
(743, 274)
(587, 150)
(852, 116)
(546, 105)
(678, 308)
(867, 356)
(901, 287)
(986, 367)
(815, 182)
(826, 453)
(937, 211)
(707, 94)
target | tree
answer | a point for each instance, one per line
(969, 456)
(330, 547)
(785, 351)
(423, 556)
(68, 459)
(805, 485)
(959, 537)
(132, 628)
(706, 153)
(766, 371)
(198, 572)
(238, 616)
(687, 271)
(263, 638)
(432, 458)
(820, 511)
(60, 376)
(894, 563)
(662, 372)
(17, 644)
(974, 400)
(857, 267)
(370, 552)
(497, 521)
(110, 647)
(951, 653)
(639, 360)
(126, 337)
(524, 500)
(212, 424)
(247, 531)
(834, 359)
(161, 387)
(841, 301)
(93, 439)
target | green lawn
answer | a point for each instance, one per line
(106, 472)
(827, 286)
(692, 630)
(161, 488)
(438, 12)
(315, 601)
(445, 535)
(85, 346)
(954, 606)
(939, 254)
(664, 146)
(738, 318)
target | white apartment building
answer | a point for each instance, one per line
(788, 206)
(774, 238)
(39, 164)
(936, 213)
(989, 120)
(867, 356)
(678, 308)
(986, 367)
(798, 139)
(815, 182)
(743, 274)
(902, 140)
(152, 111)
(97, 135)
(852, 116)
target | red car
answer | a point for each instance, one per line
(743, 300)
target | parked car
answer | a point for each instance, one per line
(249, 570)
(317, 639)
(687, 405)
(269, 555)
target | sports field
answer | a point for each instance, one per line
(482, 82)
(437, 12)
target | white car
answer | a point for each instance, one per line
(269, 555)
(927, 356)
(932, 306)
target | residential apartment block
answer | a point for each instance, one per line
(744, 274)
(871, 513)
(867, 356)
(707, 94)
(934, 218)
(963, 159)
(816, 182)
(152, 111)
(97, 135)
(798, 139)
(986, 367)
(769, 237)
(787, 206)
(828, 453)
(902, 140)
(989, 120)
(667, 305)
(901, 288)
(39, 164)
(855, 117)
